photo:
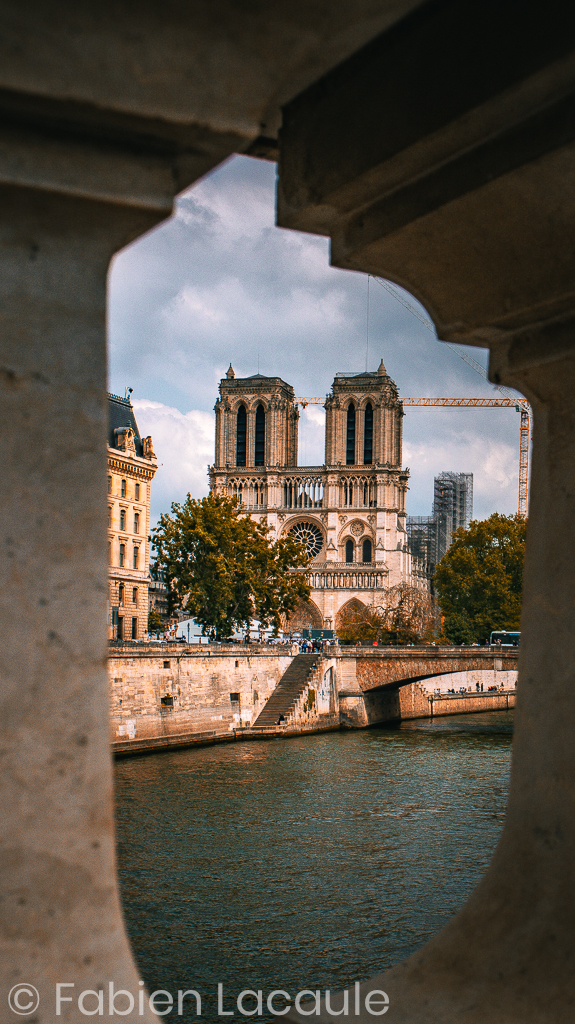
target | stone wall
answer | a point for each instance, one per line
(167, 695)
(202, 692)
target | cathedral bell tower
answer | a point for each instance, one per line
(256, 423)
(363, 421)
(256, 439)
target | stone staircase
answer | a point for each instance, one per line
(288, 691)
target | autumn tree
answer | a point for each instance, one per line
(222, 568)
(408, 616)
(480, 578)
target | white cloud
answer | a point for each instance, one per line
(184, 446)
(219, 283)
(494, 465)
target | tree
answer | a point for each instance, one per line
(155, 621)
(221, 567)
(409, 616)
(480, 578)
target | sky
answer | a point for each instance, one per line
(220, 283)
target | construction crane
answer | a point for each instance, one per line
(519, 404)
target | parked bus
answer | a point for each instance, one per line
(505, 638)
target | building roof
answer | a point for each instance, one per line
(121, 414)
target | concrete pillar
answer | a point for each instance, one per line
(62, 919)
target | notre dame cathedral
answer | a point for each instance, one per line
(350, 511)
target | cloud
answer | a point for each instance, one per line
(184, 446)
(494, 465)
(218, 282)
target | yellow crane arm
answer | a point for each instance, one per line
(520, 404)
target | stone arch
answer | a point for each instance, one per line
(364, 400)
(353, 605)
(351, 423)
(262, 400)
(305, 614)
(260, 435)
(241, 435)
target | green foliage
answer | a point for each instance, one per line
(479, 580)
(221, 567)
(155, 621)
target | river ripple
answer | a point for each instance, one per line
(313, 861)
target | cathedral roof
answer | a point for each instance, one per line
(121, 414)
(257, 379)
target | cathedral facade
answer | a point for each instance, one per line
(350, 512)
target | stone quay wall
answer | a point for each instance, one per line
(169, 695)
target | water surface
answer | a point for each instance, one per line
(308, 862)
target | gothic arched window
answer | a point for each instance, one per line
(260, 446)
(366, 551)
(350, 441)
(241, 426)
(349, 550)
(368, 435)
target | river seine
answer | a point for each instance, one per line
(304, 863)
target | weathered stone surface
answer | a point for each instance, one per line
(61, 919)
(186, 695)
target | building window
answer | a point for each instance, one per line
(109, 485)
(109, 552)
(123, 489)
(350, 442)
(234, 698)
(136, 555)
(121, 595)
(109, 515)
(136, 522)
(134, 629)
(368, 435)
(122, 555)
(122, 518)
(366, 551)
(241, 430)
(135, 596)
(120, 627)
(349, 550)
(137, 492)
(260, 447)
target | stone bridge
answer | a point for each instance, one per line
(388, 668)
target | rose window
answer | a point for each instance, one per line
(310, 535)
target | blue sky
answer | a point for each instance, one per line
(218, 282)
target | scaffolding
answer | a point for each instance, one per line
(422, 534)
(452, 508)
